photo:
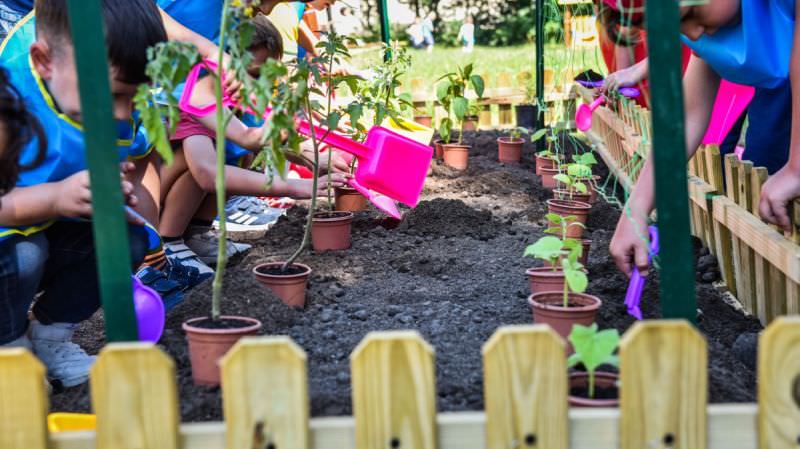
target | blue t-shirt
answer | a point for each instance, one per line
(20, 6)
(757, 50)
(66, 152)
(201, 16)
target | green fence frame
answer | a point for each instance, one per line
(108, 220)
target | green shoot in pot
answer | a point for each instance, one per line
(592, 349)
(572, 183)
(517, 132)
(451, 93)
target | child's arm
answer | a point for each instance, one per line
(306, 38)
(629, 76)
(784, 186)
(241, 134)
(629, 246)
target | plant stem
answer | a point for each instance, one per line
(219, 181)
(330, 149)
(314, 185)
(591, 384)
(566, 290)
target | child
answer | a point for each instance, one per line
(47, 241)
(466, 35)
(746, 42)
(191, 178)
(17, 129)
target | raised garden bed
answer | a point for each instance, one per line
(453, 269)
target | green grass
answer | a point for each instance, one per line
(490, 61)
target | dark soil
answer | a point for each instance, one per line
(330, 215)
(277, 270)
(453, 270)
(599, 392)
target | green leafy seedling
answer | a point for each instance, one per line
(572, 183)
(451, 92)
(548, 248)
(516, 133)
(592, 349)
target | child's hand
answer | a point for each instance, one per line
(629, 247)
(75, 197)
(627, 77)
(302, 188)
(337, 162)
(780, 189)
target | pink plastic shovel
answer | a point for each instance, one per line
(388, 163)
(583, 116)
(636, 286)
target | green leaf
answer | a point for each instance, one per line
(586, 158)
(554, 218)
(594, 348)
(442, 90)
(579, 170)
(576, 278)
(445, 127)
(538, 134)
(478, 85)
(460, 107)
(574, 359)
(563, 179)
(546, 248)
(580, 187)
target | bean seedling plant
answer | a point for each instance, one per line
(592, 349)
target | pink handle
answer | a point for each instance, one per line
(597, 103)
(333, 139)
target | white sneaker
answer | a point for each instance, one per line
(66, 362)
(21, 342)
(204, 242)
(178, 253)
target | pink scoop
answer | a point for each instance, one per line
(388, 163)
(583, 116)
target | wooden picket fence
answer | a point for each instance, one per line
(503, 92)
(663, 369)
(759, 265)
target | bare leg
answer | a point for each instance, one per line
(183, 197)
(147, 186)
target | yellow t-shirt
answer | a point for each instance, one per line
(284, 17)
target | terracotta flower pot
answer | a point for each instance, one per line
(209, 341)
(548, 308)
(561, 194)
(330, 231)
(349, 200)
(567, 208)
(509, 151)
(602, 381)
(590, 182)
(544, 162)
(471, 123)
(456, 156)
(548, 180)
(545, 279)
(438, 149)
(290, 287)
(424, 120)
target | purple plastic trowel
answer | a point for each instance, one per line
(634, 296)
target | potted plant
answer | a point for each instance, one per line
(551, 249)
(451, 92)
(424, 117)
(209, 337)
(593, 348)
(348, 199)
(528, 112)
(581, 170)
(509, 149)
(472, 117)
(548, 162)
(570, 188)
(562, 309)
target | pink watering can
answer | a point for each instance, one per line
(388, 163)
(732, 100)
(636, 286)
(583, 116)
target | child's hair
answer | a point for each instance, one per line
(613, 22)
(268, 37)
(19, 128)
(132, 26)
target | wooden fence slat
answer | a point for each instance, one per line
(265, 385)
(796, 221)
(523, 366)
(732, 177)
(714, 165)
(135, 398)
(23, 400)
(779, 385)
(725, 246)
(664, 392)
(763, 275)
(394, 392)
(747, 273)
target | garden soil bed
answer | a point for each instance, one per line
(453, 270)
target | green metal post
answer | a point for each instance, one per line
(386, 31)
(669, 143)
(110, 229)
(540, 70)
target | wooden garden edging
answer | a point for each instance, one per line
(759, 265)
(266, 404)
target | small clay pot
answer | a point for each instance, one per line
(601, 381)
(545, 279)
(567, 208)
(208, 344)
(471, 123)
(424, 120)
(587, 246)
(330, 231)
(545, 162)
(590, 183)
(349, 200)
(438, 149)
(548, 308)
(509, 151)
(289, 287)
(456, 156)
(571, 194)
(548, 180)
